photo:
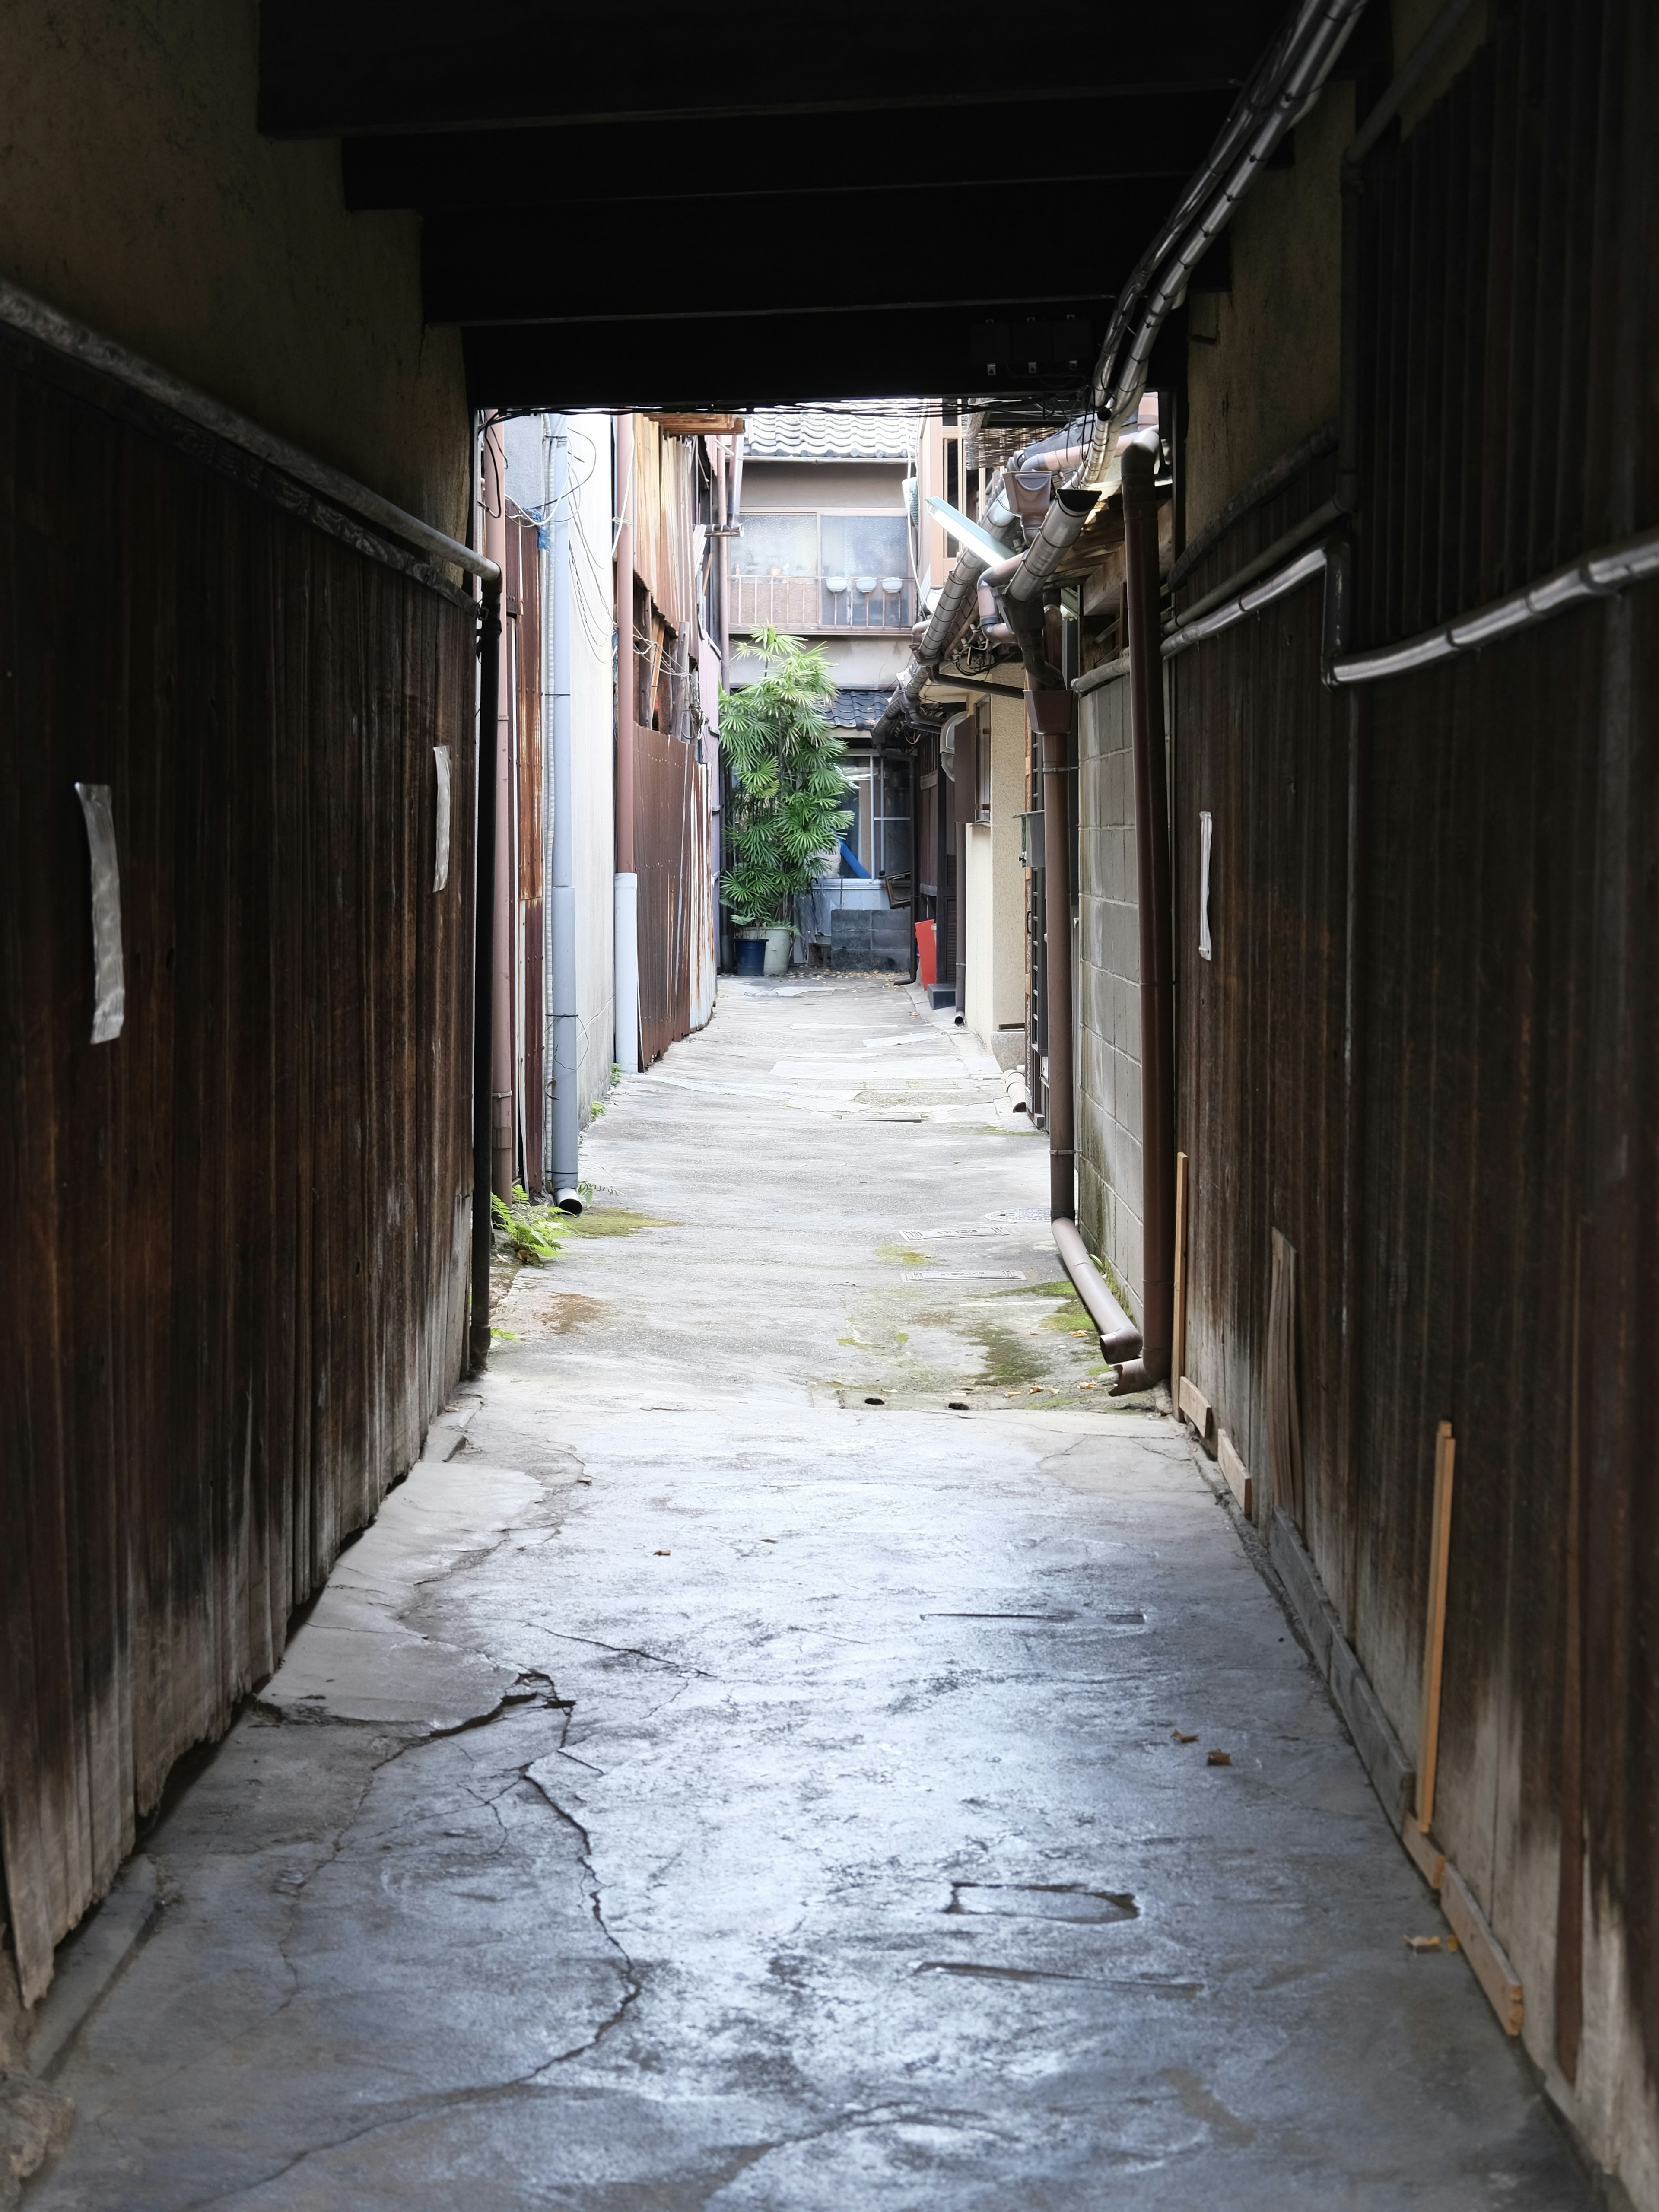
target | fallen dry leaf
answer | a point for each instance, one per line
(1219, 1758)
(1181, 1736)
(1423, 1943)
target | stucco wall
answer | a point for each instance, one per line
(875, 487)
(1263, 363)
(136, 195)
(995, 941)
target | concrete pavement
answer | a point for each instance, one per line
(705, 1786)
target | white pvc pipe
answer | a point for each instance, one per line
(561, 904)
(627, 974)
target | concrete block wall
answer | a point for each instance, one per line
(1109, 1059)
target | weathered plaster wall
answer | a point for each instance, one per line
(1263, 363)
(136, 195)
(862, 487)
(593, 748)
(1007, 877)
(995, 920)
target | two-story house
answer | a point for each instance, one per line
(828, 553)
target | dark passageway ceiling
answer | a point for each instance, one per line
(879, 205)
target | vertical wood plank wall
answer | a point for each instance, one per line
(233, 1242)
(1505, 948)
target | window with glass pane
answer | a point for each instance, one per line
(893, 819)
(866, 571)
(776, 578)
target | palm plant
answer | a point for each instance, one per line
(789, 798)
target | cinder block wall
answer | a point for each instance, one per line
(1108, 1060)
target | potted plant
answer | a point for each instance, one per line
(789, 798)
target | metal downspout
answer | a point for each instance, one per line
(626, 954)
(1057, 968)
(555, 661)
(484, 963)
(503, 883)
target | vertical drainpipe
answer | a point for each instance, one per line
(628, 883)
(484, 963)
(556, 664)
(1057, 967)
(1152, 885)
(501, 884)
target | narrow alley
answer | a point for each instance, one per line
(727, 1775)
(828, 1108)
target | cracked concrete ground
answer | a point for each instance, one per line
(703, 1787)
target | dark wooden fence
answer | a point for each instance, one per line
(232, 1241)
(1462, 862)
(671, 837)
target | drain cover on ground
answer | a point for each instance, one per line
(1043, 1900)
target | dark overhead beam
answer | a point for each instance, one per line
(331, 67)
(760, 361)
(1102, 140)
(992, 251)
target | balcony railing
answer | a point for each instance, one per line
(798, 603)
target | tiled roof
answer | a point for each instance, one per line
(824, 433)
(858, 710)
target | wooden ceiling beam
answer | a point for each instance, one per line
(331, 68)
(1103, 142)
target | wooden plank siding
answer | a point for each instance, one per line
(1474, 845)
(671, 848)
(1260, 746)
(232, 1241)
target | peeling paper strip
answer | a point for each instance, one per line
(440, 858)
(109, 974)
(1205, 951)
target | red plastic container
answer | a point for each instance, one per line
(926, 953)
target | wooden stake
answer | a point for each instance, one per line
(1435, 1637)
(1178, 1350)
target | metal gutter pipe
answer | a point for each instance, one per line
(1153, 895)
(1057, 931)
(949, 618)
(951, 613)
(1284, 88)
(23, 311)
(626, 939)
(1119, 1339)
(1597, 576)
(484, 963)
(556, 664)
(1061, 528)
